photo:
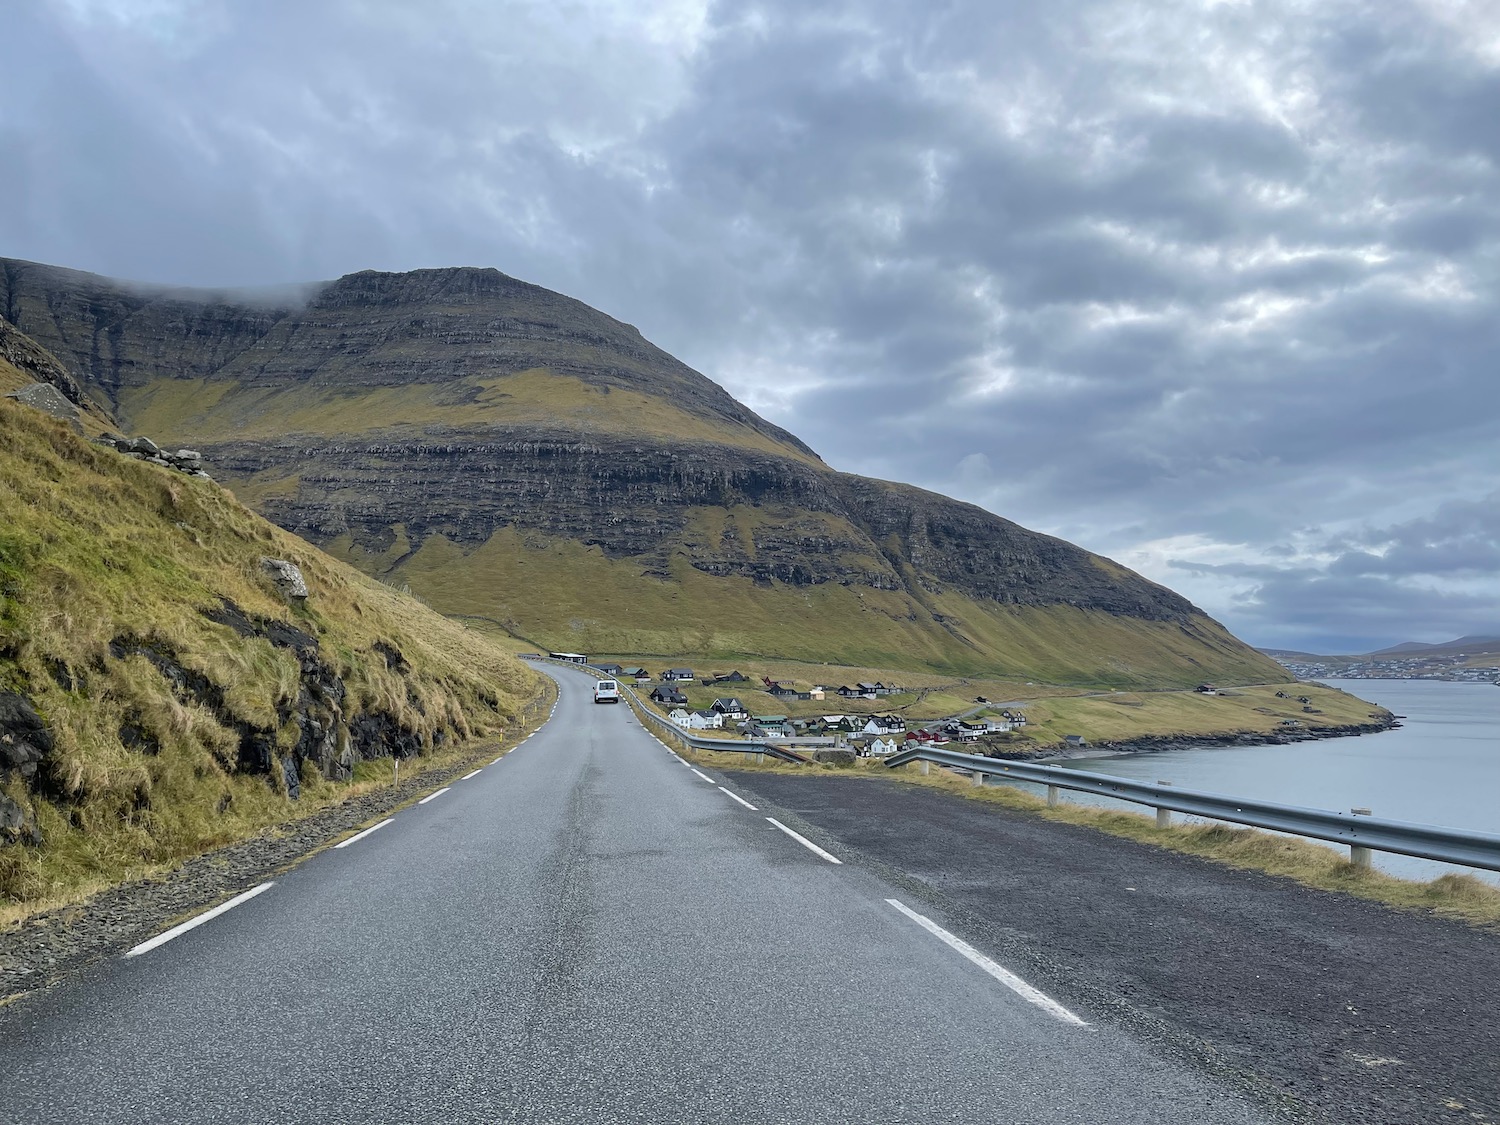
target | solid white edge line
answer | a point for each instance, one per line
(434, 796)
(804, 841)
(498, 760)
(193, 923)
(1003, 975)
(740, 799)
(473, 773)
(358, 836)
(704, 776)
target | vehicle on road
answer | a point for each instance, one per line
(606, 691)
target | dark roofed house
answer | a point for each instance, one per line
(608, 669)
(666, 693)
(678, 675)
(730, 708)
(849, 692)
(731, 678)
(1075, 741)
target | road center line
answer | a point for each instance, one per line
(804, 841)
(434, 796)
(704, 776)
(193, 923)
(740, 799)
(1003, 975)
(473, 773)
(358, 836)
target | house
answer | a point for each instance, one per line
(1206, 689)
(771, 726)
(678, 675)
(881, 747)
(730, 708)
(1017, 718)
(681, 717)
(731, 678)
(996, 726)
(848, 692)
(705, 720)
(868, 691)
(779, 690)
(608, 669)
(570, 657)
(817, 692)
(666, 693)
(1075, 741)
(639, 675)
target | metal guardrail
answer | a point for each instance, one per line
(698, 742)
(1363, 834)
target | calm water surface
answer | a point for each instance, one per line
(1441, 767)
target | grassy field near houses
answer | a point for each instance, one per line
(1052, 712)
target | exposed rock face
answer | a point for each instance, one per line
(50, 401)
(465, 454)
(32, 359)
(288, 578)
(25, 743)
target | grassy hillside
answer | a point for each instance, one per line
(564, 595)
(184, 700)
(210, 411)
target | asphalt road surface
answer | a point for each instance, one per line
(1370, 1016)
(588, 930)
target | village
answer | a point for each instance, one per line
(716, 702)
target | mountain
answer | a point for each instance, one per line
(1471, 643)
(164, 690)
(517, 456)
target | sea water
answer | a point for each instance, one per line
(1442, 766)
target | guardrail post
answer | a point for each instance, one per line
(1361, 857)
(1053, 798)
(1163, 816)
(925, 767)
(978, 779)
(760, 757)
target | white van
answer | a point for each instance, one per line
(606, 691)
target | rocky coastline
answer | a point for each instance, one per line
(1161, 743)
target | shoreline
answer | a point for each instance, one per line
(1161, 743)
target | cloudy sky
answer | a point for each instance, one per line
(1211, 287)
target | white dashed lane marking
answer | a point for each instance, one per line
(1003, 975)
(358, 836)
(737, 797)
(194, 923)
(434, 796)
(804, 841)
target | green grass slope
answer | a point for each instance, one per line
(182, 699)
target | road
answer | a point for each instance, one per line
(1370, 1015)
(587, 930)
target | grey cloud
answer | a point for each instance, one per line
(1063, 260)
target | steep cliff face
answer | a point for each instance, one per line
(513, 454)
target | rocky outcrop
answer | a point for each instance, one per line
(51, 402)
(288, 578)
(25, 743)
(188, 461)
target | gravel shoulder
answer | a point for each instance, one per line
(1362, 1013)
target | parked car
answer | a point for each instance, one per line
(606, 691)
